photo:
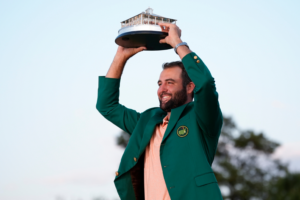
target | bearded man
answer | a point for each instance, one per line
(171, 148)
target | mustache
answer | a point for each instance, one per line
(164, 93)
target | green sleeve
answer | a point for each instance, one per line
(108, 105)
(206, 105)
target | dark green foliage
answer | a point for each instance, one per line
(285, 188)
(244, 167)
(248, 139)
(123, 139)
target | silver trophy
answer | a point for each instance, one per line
(143, 30)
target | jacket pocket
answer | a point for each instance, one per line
(205, 179)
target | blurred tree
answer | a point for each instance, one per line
(287, 187)
(244, 166)
(122, 139)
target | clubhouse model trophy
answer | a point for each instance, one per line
(143, 30)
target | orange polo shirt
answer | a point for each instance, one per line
(154, 182)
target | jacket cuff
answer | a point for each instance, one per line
(190, 57)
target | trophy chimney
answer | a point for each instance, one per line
(149, 11)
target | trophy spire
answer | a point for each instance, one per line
(149, 11)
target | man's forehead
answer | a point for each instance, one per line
(172, 72)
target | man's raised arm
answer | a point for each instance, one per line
(121, 57)
(108, 92)
(206, 104)
(207, 109)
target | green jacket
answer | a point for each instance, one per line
(189, 144)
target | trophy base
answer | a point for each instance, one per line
(148, 39)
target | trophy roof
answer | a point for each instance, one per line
(149, 12)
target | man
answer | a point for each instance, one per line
(171, 149)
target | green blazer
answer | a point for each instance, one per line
(189, 144)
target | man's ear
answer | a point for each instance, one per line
(190, 88)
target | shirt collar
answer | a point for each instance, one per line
(165, 120)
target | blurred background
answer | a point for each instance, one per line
(56, 146)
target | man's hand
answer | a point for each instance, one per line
(173, 38)
(126, 53)
(121, 57)
(174, 34)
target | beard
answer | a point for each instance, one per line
(177, 100)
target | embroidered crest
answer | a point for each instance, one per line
(182, 131)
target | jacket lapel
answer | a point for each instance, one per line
(149, 129)
(175, 114)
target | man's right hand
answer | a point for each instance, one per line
(127, 53)
(121, 57)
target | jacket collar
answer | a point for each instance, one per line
(157, 119)
(175, 115)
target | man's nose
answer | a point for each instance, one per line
(163, 88)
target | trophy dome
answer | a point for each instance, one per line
(149, 11)
(143, 30)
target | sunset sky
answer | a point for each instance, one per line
(56, 146)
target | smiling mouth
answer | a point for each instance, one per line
(165, 98)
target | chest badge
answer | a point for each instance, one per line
(182, 131)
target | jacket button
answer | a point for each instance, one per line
(195, 57)
(198, 61)
(117, 173)
(134, 159)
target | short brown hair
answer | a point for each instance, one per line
(184, 75)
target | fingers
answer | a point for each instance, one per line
(165, 24)
(162, 41)
(140, 49)
(168, 25)
(165, 29)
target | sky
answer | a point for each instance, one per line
(56, 146)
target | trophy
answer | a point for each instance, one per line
(143, 30)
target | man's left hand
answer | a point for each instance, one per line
(174, 34)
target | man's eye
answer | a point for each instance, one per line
(170, 82)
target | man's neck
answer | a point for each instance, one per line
(169, 115)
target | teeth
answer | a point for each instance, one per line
(165, 98)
